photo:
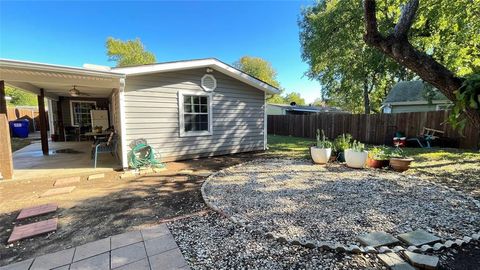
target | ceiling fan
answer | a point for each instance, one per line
(74, 92)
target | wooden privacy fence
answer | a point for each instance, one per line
(370, 128)
(32, 114)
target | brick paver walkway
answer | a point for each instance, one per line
(150, 249)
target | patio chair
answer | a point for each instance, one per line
(109, 146)
(428, 135)
(71, 132)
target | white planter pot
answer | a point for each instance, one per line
(356, 159)
(320, 155)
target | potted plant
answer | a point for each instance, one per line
(356, 156)
(399, 161)
(378, 157)
(341, 143)
(321, 152)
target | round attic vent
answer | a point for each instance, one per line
(209, 83)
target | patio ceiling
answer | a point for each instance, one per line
(58, 80)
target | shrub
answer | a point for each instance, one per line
(322, 141)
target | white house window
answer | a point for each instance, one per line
(80, 112)
(195, 114)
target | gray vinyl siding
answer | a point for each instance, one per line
(152, 113)
(414, 108)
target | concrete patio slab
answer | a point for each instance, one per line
(53, 260)
(155, 232)
(127, 254)
(172, 259)
(126, 239)
(99, 262)
(57, 191)
(91, 249)
(67, 181)
(376, 239)
(159, 245)
(33, 229)
(418, 238)
(37, 210)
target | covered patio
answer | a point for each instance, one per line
(71, 95)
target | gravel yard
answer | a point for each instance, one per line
(332, 203)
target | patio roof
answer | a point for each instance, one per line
(57, 80)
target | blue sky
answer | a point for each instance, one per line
(74, 32)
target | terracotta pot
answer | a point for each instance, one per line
(400, 164)
(356, 159)
(320, 155)
(377, 163)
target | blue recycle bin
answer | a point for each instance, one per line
(20, 128)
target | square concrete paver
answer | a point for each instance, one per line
(67, 181)
(57, 191)
(91, 249)
(394, 261)
(376, 239)
(33, 229)
(23, 265)
(138, 265)
(53, 260)
(155, 232)
(37, 210)
(125, 239)
(160, 244)
(127, 254)
(422, 261)
(418, 238)
(172, 259)
(99, 262)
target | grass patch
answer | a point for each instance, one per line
(287, 146)
(19, 143)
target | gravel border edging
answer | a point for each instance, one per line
(337, 247)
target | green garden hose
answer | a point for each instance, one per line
(142, 155)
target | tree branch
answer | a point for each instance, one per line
(406, 19)
(372, 36)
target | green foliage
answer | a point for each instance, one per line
(379, 152)
(332, 44)
(20, 97)
(357, 146)
(343, 142)
(294, 97)
(398, 153)
(128, 53)
(467, 97)
(322, 140)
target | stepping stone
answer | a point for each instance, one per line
(37, 210)
(67, 181)
(57, 191)
(394, 261)
(96, 176)
(29, 230)
(418, 238)
(376, 239)
(422, 261)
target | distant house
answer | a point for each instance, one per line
(284, 109)
(414, 96)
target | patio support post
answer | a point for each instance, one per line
(43, 121)
(3, 101)
(123, 127)
(6, 160)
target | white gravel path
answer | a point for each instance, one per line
(332, 203)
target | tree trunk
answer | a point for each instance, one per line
(366, 98)
(397, 47)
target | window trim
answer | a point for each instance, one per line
(181, 114)
(71, 108)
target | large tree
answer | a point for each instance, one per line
(263, 70)
(348, 69)
(294, 97)
(128, 53)
(438, 40)
(20, 97)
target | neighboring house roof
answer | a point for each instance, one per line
(301, 108)
(198, 63)
(413, 92)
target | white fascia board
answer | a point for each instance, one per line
(8, 63)
(416, 102)
(203, 63)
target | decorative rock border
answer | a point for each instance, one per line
(338, 247)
